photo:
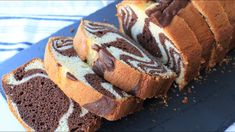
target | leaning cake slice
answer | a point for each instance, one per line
(40, 105)
(164, 34)
(229, 8)
(121, 61)
(219, 24)
(77, 80)
(201, 29)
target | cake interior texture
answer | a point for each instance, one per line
(40, 105)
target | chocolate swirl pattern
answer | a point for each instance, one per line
(12, 80)
(165, 10)
(23, 80)
(80, 70)
(142, 27)
(129, 20)
(122, 48)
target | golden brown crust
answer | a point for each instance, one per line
(219, 24)
(201, 29)
(188, 46)
(28, 129)
(9, 102)
(123, 76)
(81, 93)
(229, 8)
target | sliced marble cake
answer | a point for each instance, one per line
(121, 61)
(219, 24)
(40, 105)
(200, 28)
(164, 34)
(77, 80)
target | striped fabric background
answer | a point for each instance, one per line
(24, 23)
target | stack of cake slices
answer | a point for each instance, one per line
(106, 73)
(188, 36)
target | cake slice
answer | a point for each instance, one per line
(229, 8)
(40, 105)
(219, 24)
(159, 30)
(121, 61)
(77, 80)
(196, 22)
(201, 30)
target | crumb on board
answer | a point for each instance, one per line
(226, 60)
(175, 85)
(185, 100)
(189, 90)
(233, 63)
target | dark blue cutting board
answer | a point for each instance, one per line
(211, 104)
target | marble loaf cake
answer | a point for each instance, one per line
(40, 105)
(121, 61)
(164, 34)
(77, 80)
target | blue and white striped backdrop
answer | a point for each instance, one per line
(23, 23)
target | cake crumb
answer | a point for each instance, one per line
(185, 100)
(175, 86)
(233, 64)
(189, 90)
(164, 101)
(225, 61)
(192, 87)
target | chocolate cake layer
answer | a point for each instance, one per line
(165, 10)
(41, 104)
(146, 40)
(105, 62)
(64, 47)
